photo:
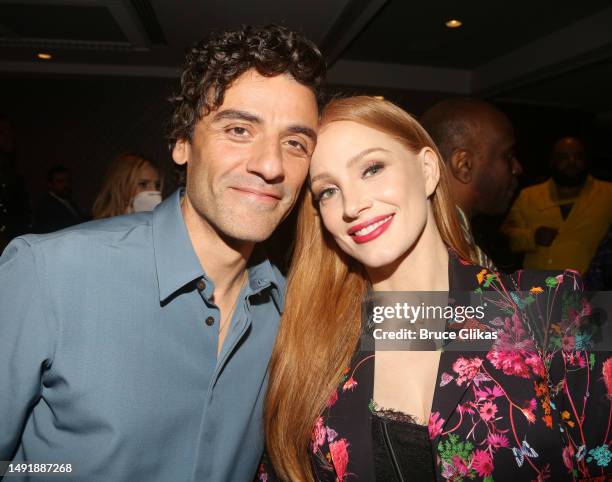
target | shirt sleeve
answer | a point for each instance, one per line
(520, 234)
(26, 342)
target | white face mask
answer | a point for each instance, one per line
(146, 201)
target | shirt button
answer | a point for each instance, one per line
(201, 285)
(210, 321)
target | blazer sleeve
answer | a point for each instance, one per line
(26, 342)
(580, 377)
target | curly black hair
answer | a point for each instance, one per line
(215, 62)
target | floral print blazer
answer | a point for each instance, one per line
(519, 412)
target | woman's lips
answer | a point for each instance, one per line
(372, 229)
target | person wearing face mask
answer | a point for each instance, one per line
(132, 184)
(559, 223)
(379, 218)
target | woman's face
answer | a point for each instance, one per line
(372, 192)
(147, 179)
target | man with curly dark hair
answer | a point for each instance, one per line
(136, 347)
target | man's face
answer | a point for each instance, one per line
(496, 167)
(60, 185)
(247, 160)
(569, 162)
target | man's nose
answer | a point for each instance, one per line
(267, 162)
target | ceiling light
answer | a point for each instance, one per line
(454, 23)
(43, 56)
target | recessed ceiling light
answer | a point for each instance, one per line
(454, 23)
(43, 56)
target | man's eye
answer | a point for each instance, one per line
(373, 169)
(239, 131)
(297, 144)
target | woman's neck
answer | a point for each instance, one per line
(423, 268)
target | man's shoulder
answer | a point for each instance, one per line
(602, 185)
(90, 238)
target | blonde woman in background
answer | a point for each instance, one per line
(132, 184)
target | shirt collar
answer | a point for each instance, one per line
(175, 258)
(553, 196)
(177, 263)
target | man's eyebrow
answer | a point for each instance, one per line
(307, 131)
(351, 161)
(236, 115)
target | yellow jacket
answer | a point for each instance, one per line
(579, 234)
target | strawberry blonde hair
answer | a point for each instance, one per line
(321, 324)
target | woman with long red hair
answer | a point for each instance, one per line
(378, 217)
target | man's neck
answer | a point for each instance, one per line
(224, 261)
(565, 192)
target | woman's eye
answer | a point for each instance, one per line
(325, 194)
(143, 184)
(373, 169)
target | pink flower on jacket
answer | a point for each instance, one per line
(466, 369)
(497, 440)
(350, 384)
(607, 375)
(488, 411)
(460, 465)
(489, 393)
(318, 435)
(333, 399)
(482, 463)
(569, 343)
(435, 425)
(568, 457)
(528, 410)
(339, 455)
(518, 363)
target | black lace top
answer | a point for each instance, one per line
(401, 448)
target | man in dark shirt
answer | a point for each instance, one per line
(56, 209)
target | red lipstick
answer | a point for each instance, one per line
(384, 223)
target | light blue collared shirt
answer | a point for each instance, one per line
(107, 361)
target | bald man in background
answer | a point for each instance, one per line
(559, 223)
(477, 143)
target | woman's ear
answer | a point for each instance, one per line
(430, 164)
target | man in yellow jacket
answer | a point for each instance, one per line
(559, 223)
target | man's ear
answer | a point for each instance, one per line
(181, 152)
(430, 164)
(461, 165)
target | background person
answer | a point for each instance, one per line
(477, 143)
(56, 209)
(559, 223)
(131, 184)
